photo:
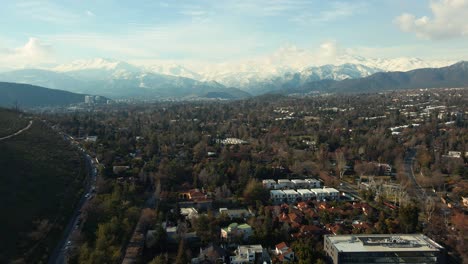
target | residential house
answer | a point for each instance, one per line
(277, 196)
(236, 213)
(321, 194)
(284, 253)
(313, 183)
(234, 230)
(465, 201)
(299, 183)
(291, 195)
(284, 184)
(211, 255)
(269, 183)
(306, 194)
(250, 254)
(332, 193)
(189, 213)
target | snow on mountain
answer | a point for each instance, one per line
(394, 64)
(340, 72)
(174, 70)
(96, 64)
(288, 65)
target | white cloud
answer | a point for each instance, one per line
(34, 53)
(335, 11)
(200, 40)
(448, 20)
(90, 13)
(46, 11)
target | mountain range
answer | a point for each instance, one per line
(118, 79)
(452, 76)
(28, 96)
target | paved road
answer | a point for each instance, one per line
(416, 189)
(350, 190)
(60, 252)
(17, 132)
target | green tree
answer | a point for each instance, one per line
(254, 192)
(408, 216)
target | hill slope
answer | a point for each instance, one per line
(41, 178)
(34, 96)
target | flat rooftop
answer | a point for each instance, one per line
(318, 190)
(302, 191)
(384, 242)
(276, 192)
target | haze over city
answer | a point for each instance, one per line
(234, 131)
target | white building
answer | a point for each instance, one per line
(383, 248)
(277, 196)
(189, 213)
(269, 183)
(305, 194)
(298, 183)
(291, 195)
(321, 194)
(313, 183)
(332, 193)
(284, 184)
(250, 254)
(236, 213)
(89, 99)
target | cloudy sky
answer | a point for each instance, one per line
(38, 33)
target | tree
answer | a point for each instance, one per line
(254, 191)
(181, 253)
(340, 163)
(429, 209)
(408, 216)
(423, 157)
(159, 260)
(303, 251)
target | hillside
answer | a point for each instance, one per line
(11, 123)
(41, 179)
(27, 96)
(455, 75)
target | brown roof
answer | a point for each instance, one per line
(281, 246)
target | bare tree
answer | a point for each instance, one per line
(340, 163)
(429, 209)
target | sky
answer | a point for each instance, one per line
(41, 33)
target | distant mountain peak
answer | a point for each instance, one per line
(96, 64)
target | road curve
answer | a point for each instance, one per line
(17, 132)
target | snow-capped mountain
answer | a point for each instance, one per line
(114, 78)
(99, 69)
(173, 69)
(394, 64)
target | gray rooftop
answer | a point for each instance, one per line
(383, 242)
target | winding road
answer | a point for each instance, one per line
(17, 132)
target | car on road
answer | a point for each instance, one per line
(87, 195)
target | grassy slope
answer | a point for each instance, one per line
(40, 179)
(10, 123)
